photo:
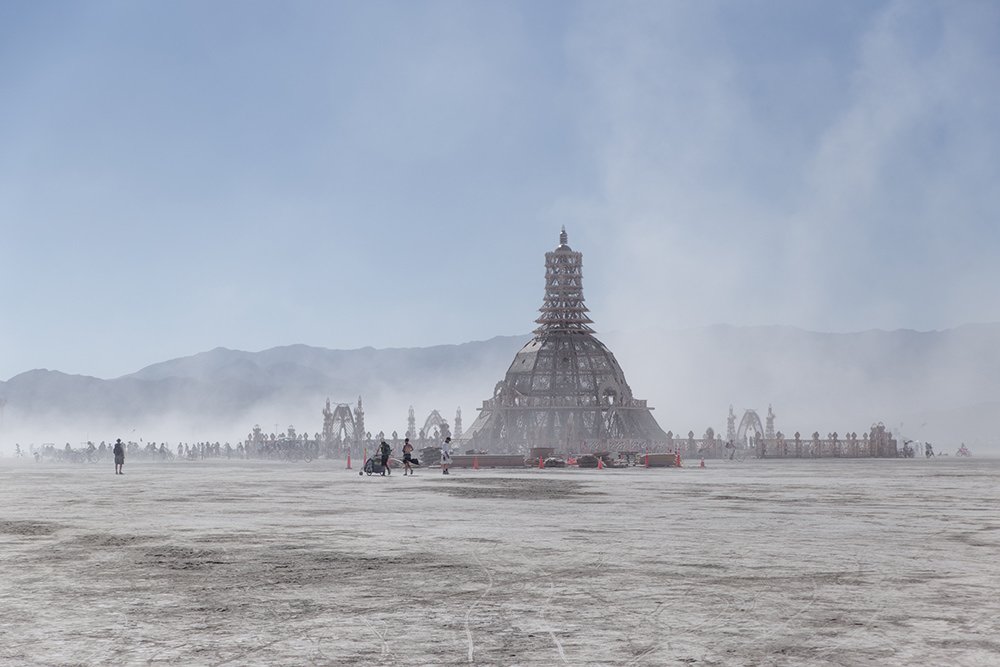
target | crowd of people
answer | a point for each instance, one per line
(274, 449)
(381, 462)
(149, 451)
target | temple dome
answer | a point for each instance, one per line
(575, 366)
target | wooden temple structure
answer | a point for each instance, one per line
(564, 388)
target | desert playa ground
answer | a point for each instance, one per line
(756, 563)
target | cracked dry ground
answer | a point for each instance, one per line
(760, 563)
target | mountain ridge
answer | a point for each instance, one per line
(816, 380)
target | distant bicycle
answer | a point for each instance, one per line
(298, 454)
(734, 453)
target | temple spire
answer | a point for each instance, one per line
(563, 309)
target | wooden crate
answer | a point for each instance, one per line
(658, 460)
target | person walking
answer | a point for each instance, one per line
(384, 450)
(407, 457)
(119, 452)
(445, 456)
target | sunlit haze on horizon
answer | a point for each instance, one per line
(180, 176)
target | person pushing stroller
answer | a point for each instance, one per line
(384, 450)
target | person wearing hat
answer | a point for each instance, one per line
(445, 456)
(119, 452)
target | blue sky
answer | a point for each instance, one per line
(180, 176)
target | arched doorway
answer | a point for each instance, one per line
(750, 429)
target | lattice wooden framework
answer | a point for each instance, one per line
(565, 387)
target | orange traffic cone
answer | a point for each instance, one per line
(475, 463)
(348, 460)
(702, 464)
(600, 463)
(677, 459)
(541, 462)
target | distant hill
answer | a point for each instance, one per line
(942, 386)
(222, 393)
(939, 385)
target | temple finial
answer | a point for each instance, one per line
(563, 238)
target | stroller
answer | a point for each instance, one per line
(373, 466)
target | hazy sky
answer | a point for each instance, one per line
(176, 176)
